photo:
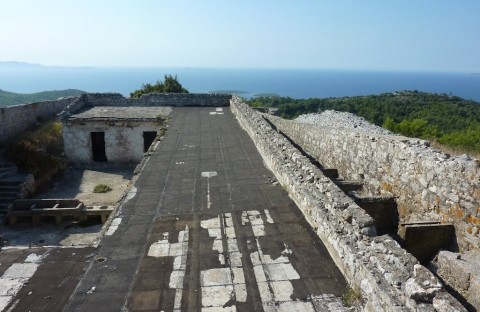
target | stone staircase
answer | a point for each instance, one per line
(7, 169)
(12, 185)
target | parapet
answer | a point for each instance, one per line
(147, 100)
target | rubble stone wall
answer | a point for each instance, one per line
(389, 278)
(428, 184)
(18, 118)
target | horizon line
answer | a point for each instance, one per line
(187, 67)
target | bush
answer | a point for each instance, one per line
(170, 84)
(102, 188)
(39, 151)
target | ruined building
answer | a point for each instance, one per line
(208, 224)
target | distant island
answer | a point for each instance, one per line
(19, 65)
(11, 98)
(14, 65)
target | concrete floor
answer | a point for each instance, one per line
(205, 230)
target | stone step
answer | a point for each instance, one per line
(424, 239)
(348, 186)
(6, 183)
(9, 194)
(8, 171)
(9, 188)
(330, 173)
(6, 164)
(4, 208)
(383, 209)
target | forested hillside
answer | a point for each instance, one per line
(11, 98)
(450, 120)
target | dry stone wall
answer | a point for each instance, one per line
(18, 118)
(389, 278)
(428, 184)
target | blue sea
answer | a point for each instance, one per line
(295, 83)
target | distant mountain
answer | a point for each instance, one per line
(19, 65)
(14, 65)
(11, 98)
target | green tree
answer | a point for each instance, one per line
(389, 124)
(170, 84)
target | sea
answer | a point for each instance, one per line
(295, 83)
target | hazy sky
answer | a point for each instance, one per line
(439, 35)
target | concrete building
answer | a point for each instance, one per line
(112, 134)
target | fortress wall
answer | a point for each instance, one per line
(160, 99)
(429, 185)
(18, 118)
(157, 99)
(389, 278)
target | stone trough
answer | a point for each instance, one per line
(56, 208)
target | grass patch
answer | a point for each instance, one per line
(102, 188)
(351, 297)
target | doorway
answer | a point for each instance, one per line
(98, 146)
(148, 138)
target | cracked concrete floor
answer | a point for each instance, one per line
(205, 230)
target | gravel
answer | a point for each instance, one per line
(335, 119)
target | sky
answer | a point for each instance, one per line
(406, 35)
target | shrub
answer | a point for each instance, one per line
(170, 84)
(40, 150)
(101, 188)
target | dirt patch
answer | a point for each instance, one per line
(79, 183)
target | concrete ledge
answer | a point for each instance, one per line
(462, 273)
(425, 239)
(389, 278)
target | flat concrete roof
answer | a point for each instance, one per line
(204, 228)
(122, 113)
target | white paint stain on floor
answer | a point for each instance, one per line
(226, 284)
(16, 276)
(208, 175)
(131, 194)
(163, 248)
(113, 226)
(274, 276)
(218, 111)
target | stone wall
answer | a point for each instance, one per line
(388, 277)
(428, 184)
(158, 99)
(18, 118)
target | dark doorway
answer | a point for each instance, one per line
(98, 146)
(148, 138)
